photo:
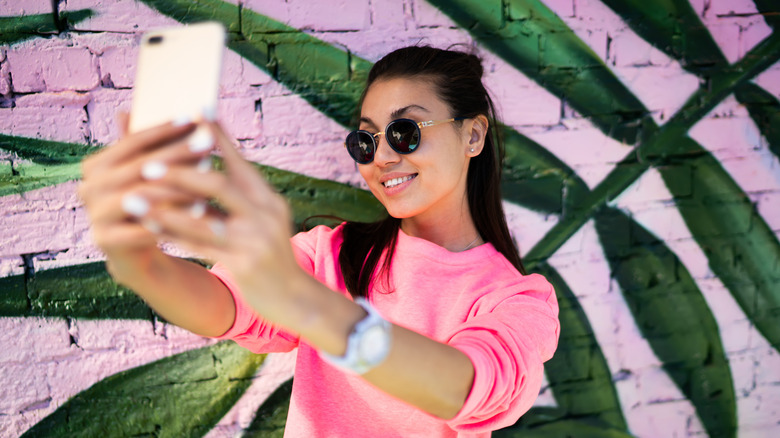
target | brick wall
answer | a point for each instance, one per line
(66, 86)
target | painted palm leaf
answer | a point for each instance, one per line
(709, 200)
(770, 9)
(764, 109)
(537, 42)
(673, 27)
(17, 29)
(271, 417)
(673, 316)
(202, 384)
(578, 373)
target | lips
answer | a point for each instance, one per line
(396, 181)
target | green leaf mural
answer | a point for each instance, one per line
(537, 42)
(671, 313)
(15, 29)
(764, 109)
(270, 418)
(578, 373)
(202, 384)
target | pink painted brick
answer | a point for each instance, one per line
(562, 8)
(24, 386)
(762, 408)
(24, 7)
(427, 15)
(752, 33)
(238, 76)
(276, 10)
(768, 205)
(390, 15)
(661, 419)
(238, 117)
(769, 80)
(103, 108)
(55, 332)
(743, 370)
(655, 385)
(118, 16)
(36, 232)
(768, 365)
(51, 67)
(329, 15)
(5, 76)
(49, 121)
(117, 66)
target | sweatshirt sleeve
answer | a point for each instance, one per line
(249, 330)
(508, 336)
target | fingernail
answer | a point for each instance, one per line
(154, 170)
(201, 141)
(217, 227)
(135, 205)
(210, 113)
(204, 165)
(152, 226)
(198, 209)
(181, 120)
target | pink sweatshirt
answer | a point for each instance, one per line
(505, 322)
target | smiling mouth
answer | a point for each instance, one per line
(396, 181)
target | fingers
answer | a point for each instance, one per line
(241, 171)
(134, 145)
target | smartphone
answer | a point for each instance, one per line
(177, 74)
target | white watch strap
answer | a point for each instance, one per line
(367, 345)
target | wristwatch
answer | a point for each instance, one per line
(367, 345)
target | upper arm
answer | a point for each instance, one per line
(508, 337)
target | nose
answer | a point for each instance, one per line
(384, 154)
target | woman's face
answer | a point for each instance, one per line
(429, 183)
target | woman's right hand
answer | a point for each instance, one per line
(117, 184)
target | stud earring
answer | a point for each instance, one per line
(471, 150)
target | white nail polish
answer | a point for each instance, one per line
(154, 170)
(135, 205)
(181, 120)
(204, 165)
(198, 209)
(152, 226)
(218, 228)
(209, 113)
(201, 141)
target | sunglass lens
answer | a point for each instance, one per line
(360, 146)
(403, 135)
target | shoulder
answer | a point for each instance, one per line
(318, 237)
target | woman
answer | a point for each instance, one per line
(453, 340)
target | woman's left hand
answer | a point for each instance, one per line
(250, 236)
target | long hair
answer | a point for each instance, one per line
(457, 79)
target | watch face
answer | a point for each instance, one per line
(374, 344)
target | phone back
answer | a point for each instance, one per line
(177, 74)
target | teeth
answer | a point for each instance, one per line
(395, 181)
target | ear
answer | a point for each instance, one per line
(477, 129)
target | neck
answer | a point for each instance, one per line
(456, 235)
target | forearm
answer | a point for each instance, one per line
(430, 375)
(182, 292)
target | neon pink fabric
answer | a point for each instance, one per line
(506, 323)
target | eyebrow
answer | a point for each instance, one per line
(396, 113)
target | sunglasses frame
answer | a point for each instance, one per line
(418, 125)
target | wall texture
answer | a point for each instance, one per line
(642, 177)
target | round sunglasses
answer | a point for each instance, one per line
(403, 135)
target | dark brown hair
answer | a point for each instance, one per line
(457, 79)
